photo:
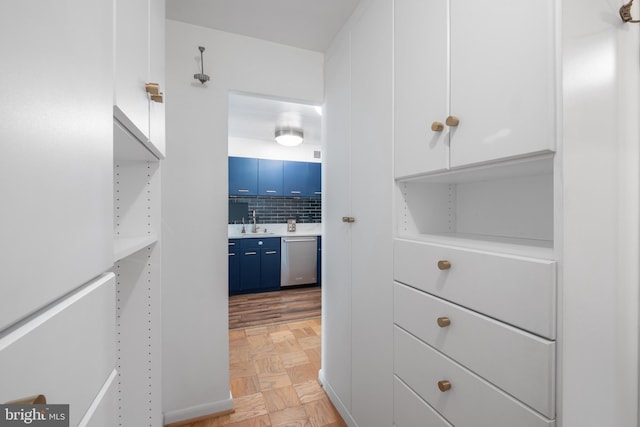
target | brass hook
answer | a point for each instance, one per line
(625, 12)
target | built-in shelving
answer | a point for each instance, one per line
(505, 207)
(137, 256)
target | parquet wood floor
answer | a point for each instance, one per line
(273, 307)
(274, 371)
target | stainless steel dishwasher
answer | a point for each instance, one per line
(298, 265)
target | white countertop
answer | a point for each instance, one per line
(274, 230)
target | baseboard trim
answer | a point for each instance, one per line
(198, 413)
(333, 397)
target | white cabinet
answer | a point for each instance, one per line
(487, 85)
(359, 254)
(474, 137)
(139, 60)
(66, 354)
(56, 144)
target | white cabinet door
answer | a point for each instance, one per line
(56, 181)
(502, 79)
(421, 86)
(157, 73)
(371, 186)
(132, 63)
(336, 242)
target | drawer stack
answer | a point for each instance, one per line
(474, 337)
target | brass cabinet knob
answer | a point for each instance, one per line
(348, 219)
(444, 385)
(443, 322)
(452, 121)
(158, 98)
(444, 265)
(437, 127)
(152, 88)
(39, 399)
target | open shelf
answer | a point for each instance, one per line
(127, 125)
(125, 246)
(505, 208)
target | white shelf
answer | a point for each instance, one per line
(132, 151)
(519, 167)
(125, 246)
(531, 248)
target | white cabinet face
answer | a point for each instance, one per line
(157, 73)
(132, 61)
(57, 152)
(502, 79)
(421, 86)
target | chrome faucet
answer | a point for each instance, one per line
(255, 227)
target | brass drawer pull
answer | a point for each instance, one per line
(437, 127)
(444, 385)
(348, 219)
(444, 265)
(443, 322)
(39, 399)
(452, 121)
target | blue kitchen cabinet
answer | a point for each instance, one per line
(314, 179)
(243, 176)
(234, 265)
(295, 178)
(270, 264)
(249, 265)
(257, 265)
(270, 177)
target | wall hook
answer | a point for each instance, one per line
(201, 76)
(625, 12)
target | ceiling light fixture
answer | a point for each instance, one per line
(201, 76)
(289, 137)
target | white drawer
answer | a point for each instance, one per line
(516, 290)
(471, 401)
(521, 364)
(411, 411)
(66, 353)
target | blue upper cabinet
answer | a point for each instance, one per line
(270, 177)
(314, 179)
(243, 176)
(295, 178)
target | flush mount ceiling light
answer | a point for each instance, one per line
(289, 137)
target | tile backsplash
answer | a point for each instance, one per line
(277, 210)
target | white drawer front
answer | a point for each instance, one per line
(516, 290)
(411, 411)
(66, 353)
(471, 401)
(521, 364)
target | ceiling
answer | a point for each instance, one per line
(307, 24)
(256, 118)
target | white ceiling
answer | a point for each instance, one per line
(256, 118)
(307, 24)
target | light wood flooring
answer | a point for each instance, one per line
(274, 371)
(274, 307)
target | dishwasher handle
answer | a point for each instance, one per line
(298, 240)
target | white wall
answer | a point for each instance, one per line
(599, 254)
(195, 317)
(243, 147)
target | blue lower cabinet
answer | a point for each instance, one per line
(234, 266)
(249, 268)
(270, 268)
(258, 265)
